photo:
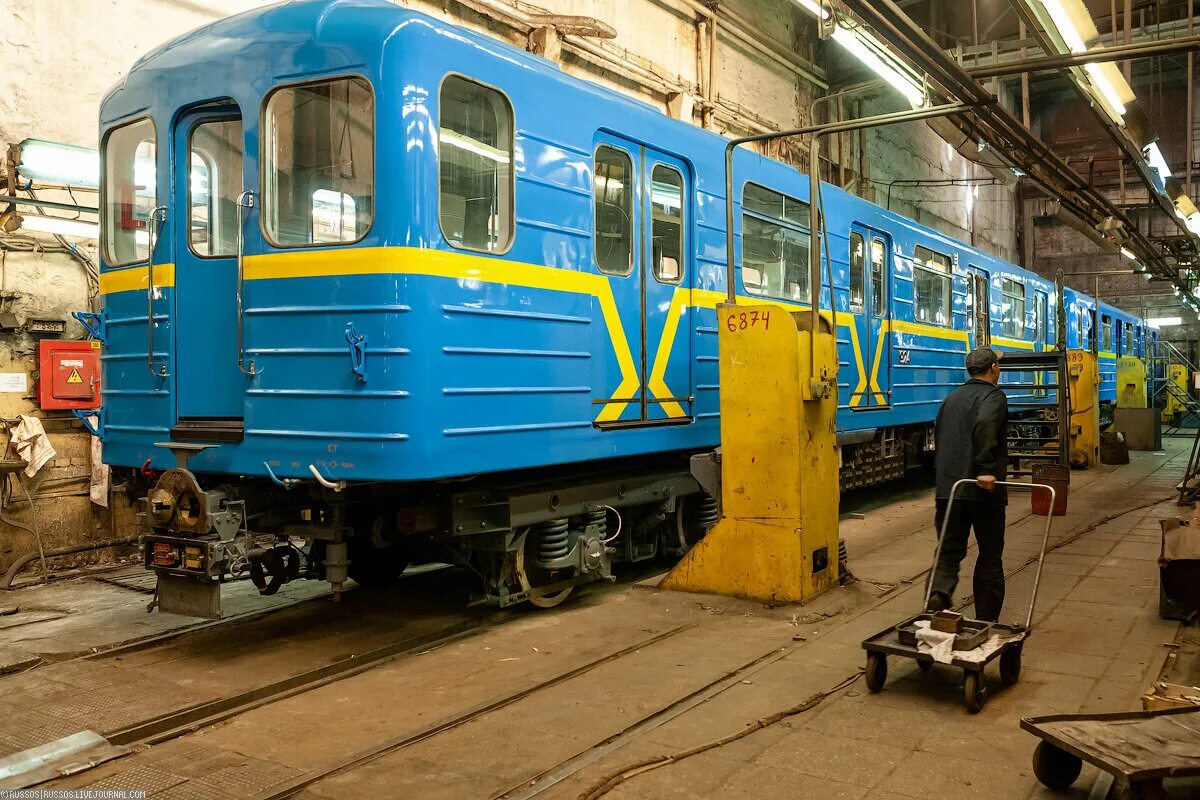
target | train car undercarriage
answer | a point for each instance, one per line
(529, 537)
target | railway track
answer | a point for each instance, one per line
(547, 778)
(183, 721)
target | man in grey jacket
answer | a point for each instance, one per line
(971, 438)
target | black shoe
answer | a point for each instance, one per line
(937, 602)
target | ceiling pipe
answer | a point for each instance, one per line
(1138, 133)
(1042, 165)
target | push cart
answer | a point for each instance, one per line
(979, 644)
(1139, 748)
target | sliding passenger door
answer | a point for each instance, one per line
(870, 271)
(641, 244)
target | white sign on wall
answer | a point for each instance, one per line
(14, 382)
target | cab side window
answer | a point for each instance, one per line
(319, 163)
(475, 176)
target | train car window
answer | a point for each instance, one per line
(1129, 341)
(129, 193)
(319, 163)
(1012, 308)
(857, 267)
(666, 198)
(475, 174)
(1106, 333)
(775, 242)
(613, 190)
(931, 286)
(878, 259)
(214, 183)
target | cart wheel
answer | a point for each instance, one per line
(876, 672)
(975, 691)
(1010, 666)
(1055, 767)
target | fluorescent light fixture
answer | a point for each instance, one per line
(1099, 75)
(871, 53)
(63, 227)
(1066, 28)
(1162, 322)
(1125, 251)
(1154, 157)
(1193, 223)
(813, 7)
(1147, 276)
(52, 162)
(1101, 82)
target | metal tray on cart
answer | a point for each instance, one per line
(975, 689)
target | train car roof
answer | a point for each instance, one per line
(300, 39)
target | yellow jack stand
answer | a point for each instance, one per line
(777, 540)
(1131, 382)
(1085, 408)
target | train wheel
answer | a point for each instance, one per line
(530, 576)
(376, 558)
(695, 515)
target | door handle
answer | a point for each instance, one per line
(245, 202)
(157, 214)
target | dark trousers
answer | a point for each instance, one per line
(988, 521)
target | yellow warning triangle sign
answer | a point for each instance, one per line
(74, 377)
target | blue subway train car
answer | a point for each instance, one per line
(377, 288)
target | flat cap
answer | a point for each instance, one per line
(981, 359)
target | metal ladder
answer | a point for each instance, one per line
(1039, 409)
(1164, 356)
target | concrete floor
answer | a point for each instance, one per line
(652, 673)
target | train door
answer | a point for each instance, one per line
(210, 391)
(979, 312)
(642, 246)
(1041, 325)
(870, 268)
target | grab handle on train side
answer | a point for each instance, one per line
(245, 202)
(157, 216)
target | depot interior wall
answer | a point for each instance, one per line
(57, 60)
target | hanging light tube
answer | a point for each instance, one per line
(872, 54)
(1154, 158)
(61, 226)
(53, 162)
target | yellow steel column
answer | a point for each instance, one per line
(1131, 382)
(1084, 375)
(778, 538)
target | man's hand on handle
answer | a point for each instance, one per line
(986, 482)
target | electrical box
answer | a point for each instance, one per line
(69, 374)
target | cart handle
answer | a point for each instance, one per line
(1037, 581)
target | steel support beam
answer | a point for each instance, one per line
(1183, 44)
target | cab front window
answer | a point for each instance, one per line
(129, 194)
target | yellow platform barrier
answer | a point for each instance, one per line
(1131, 382)
(1085, 408)
(777, 540)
